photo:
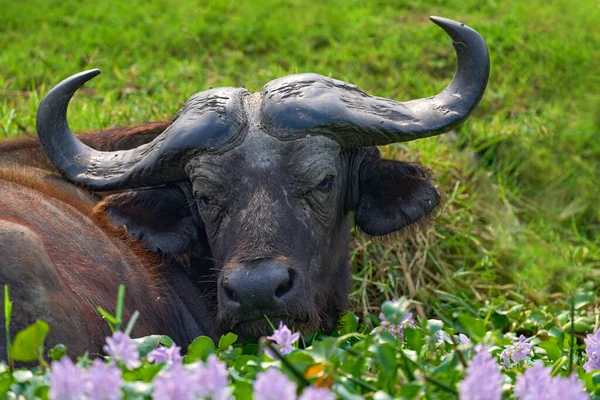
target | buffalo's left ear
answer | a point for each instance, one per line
(393, 195)
(160, 217)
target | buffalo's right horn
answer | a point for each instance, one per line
(210, 120)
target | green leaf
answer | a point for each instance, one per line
(57, 352)
(166, 341)
(227, 340)
(231, 354)
(301, 360)
(145, 373)
(538, 317)
(394, 311)
(246, 362)
(348, 323)
(132, 322)
(112, 321)
(386, 356)
(557, 333)
(7, 316)
(563, 318)
(413, 338)
(120, 306)
(409, 390)
(581, 325)
(7, 307)
(583, 299)
(200, 349)
(146, 344)
(434, 325)
(499, 321)
(344, 393)
(474, 326)
(596, 378)
(552, 349)
(447, 365)
(242, 391)
(5, 381)
(325, 349)
(250, 349)
(29, 342)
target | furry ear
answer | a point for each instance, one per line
(393, 195)
(161, 217)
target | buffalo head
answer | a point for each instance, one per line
(261, 187)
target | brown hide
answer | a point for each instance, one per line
(60, 258)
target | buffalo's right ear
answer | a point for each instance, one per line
(160, 217)
(392, 195)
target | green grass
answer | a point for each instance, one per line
(522, 215)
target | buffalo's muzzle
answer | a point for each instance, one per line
(258, 287)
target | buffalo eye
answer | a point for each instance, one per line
(326, 184)
(205, 201)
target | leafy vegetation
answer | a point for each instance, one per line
(392, 355)
(517, 240)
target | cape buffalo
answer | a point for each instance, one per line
(237, 209)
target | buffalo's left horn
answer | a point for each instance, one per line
(195, 129)
(312, 104)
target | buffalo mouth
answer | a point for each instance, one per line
(252, 328)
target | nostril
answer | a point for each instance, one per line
(286, 285)
(230, 294)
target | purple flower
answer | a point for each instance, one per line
(483, 379)
(518, 352)
(537, 384)
(568, 388)
(169, 355)
(592, 342)
(441, 338)
(284, 339)
(66, 380)
(398, 330)
(121, 348)
(317, 393)
(104, 382)
(464, 339)
(534, 383)
(211, 379)
(273, 385)
(174, 384)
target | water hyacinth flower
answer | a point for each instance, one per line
(464, 339)
(536, 383)
(274, 385)
(66, 380)
(442, 336)
(211, 379)
(398, 330)
(103, 382)
(168, 355)
(483, 379)
(284, 339)
(568, 388)
(119, 347)
(317, 393)
(592, 342)
(518, 352)
(175, 384)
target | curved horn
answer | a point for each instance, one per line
(209, 121)
(313, 104)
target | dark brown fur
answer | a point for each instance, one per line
(88, 256)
